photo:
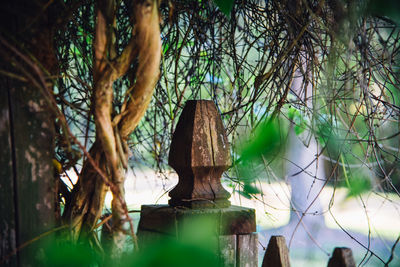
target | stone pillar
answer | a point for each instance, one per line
(200, 154)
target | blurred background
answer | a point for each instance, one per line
(309, 95)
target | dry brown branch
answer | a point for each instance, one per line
(109, 149)
(149, 54)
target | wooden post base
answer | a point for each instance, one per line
(230, 232)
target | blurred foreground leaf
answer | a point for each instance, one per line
(387, 8)
(358, 186)
(265, 143)
(172, 254)
(225, 6)
(195, 251)
(299, 122)
(69, 254)
(196, 246)
(248, 190)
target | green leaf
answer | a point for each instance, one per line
(187, 251)
(69, 254)
(225, 6)
(292, 113)
(324, 132)
(251, 189)
(298, 129)
(387, 8)
(165, 47)
(358, 186)
(299, 122)
(266, 142)
(245, 194)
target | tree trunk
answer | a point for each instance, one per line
(109, 152)
(306, 173)
(87, 199)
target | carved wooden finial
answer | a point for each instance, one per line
(200, 154)
(277, 254)
(342, 257)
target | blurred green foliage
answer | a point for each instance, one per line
(196, 245)
(329, 139)
(225, 6)
(358, 185)
(298, 120)
(172, 253)
(265, 142)
(387, 8)
(260, 148)
(165, 252)
(63, 253)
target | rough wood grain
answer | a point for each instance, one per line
(227, 250)
(28, 52)
(8, 240)
(247, 250)
(33, 135)
(147, 239)
(342, 257)
(200, 154)
(27, 177)
(172, 220)
(199, 209)
(277, 254)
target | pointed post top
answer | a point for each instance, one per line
(342, 257)
(277, 253)
(200, 154)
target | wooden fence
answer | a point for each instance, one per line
(200, 154)
(277, 255)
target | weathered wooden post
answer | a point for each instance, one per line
(200, 154)
(277, 254)
(27, 197)
(342, 257)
